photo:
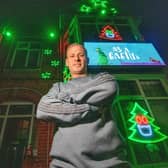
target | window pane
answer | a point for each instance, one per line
(128, 88)
(16, 130)
(35, 45)
(3, 109)
(23, 127)
(20, 109)
(153, 88)
(126, 32)
(15, 139)
(26, 55)
(119, 21)
(150, 153)
(33, 59)
(22, 45)
(89, 32)
(20, 59)
(1, 122)
(159, 109)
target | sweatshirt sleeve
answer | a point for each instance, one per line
(100, 93)
(52, 108)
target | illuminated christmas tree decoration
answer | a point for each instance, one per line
(46, 75)
(54, 63)
(47, 51)
(143, 129)
(140, 119)
(109, 33)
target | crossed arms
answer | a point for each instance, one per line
(68, 107)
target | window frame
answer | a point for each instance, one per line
(7, 115)
(28, 50)
(142, 97)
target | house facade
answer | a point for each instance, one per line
(29, 65)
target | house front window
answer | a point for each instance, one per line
(26, 55)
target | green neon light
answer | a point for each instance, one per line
(136, 135)
(47, 51)
(99, 3)
(51, 34)
(114, 11)
(66, 74)
(103, 12)
(85, 9)
(102, 7)
(45, 75)
(7, 33)
(54, 63)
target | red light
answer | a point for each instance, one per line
(140, 119)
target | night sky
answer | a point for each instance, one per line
(154, 15)
(154, 22)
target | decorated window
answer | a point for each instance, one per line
(143, 132)
(143, 128)
(140, 114)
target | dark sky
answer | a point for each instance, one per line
(154, 23)
(154, 15)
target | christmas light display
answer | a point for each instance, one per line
(47, 51)
(102, 7)
(143, 129)
(109, 33)
(85, 9)
(66, 74)
(46, 75)
(53, 63)
(6, 33)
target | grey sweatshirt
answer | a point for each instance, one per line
(87, 136)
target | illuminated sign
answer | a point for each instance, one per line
(109, 33)
(120, 53)
(142, 127)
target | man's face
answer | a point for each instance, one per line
(76, 60)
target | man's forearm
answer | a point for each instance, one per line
(53, 109)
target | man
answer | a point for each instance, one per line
(86, 137)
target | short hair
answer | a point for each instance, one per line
(75, 44)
